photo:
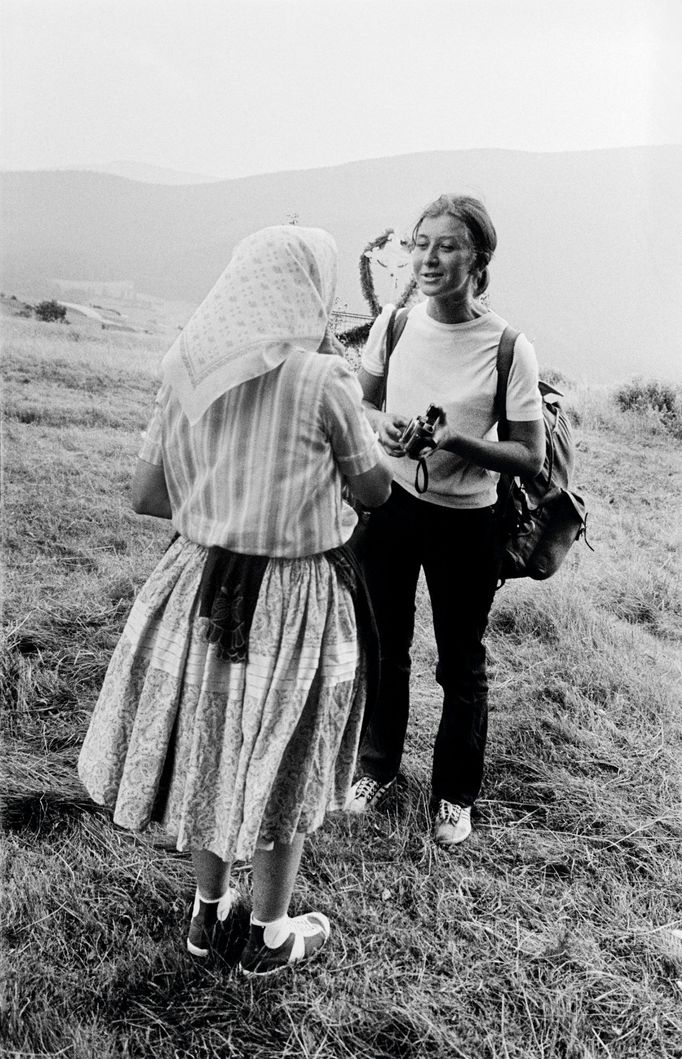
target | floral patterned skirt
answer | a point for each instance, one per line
(228, 755)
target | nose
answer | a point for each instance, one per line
(431, 253)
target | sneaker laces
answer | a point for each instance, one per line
(448, 812)
(366, 787)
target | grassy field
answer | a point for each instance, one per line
(554, 932)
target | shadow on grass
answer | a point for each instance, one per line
(44, 812)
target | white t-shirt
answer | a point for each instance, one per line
(454, 366)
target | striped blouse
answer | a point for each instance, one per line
(261, 472)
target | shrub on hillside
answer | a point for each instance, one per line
(50, 311)
(647, 396)
(555, 378)
(356, 336)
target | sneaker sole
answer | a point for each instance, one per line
(265, 974)
(282, 967)
(453, 842)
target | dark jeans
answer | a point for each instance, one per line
(458, 552)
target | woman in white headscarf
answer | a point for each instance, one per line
(232, 706)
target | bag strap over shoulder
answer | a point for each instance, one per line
(396, 326)
(505, 356)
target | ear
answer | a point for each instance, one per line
(482, 279)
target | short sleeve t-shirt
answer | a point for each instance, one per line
(261, 472)
(454, 366)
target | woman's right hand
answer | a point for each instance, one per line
(390, 428)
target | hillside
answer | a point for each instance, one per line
(148, 174)
(553, 933)
(589, 261)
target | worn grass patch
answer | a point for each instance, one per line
(548, 935)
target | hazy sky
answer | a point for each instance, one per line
(235, 87)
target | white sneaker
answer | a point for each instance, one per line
(367, 794)
(452, 824)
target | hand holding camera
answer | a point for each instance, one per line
(390, 427)
(418, 434)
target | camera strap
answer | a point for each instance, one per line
(395, 328)
(422, 469)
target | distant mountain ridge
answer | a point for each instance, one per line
(146, 174)
(590, 243)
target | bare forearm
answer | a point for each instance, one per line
(373, 414)
(372, 488)
(150, 492)
(158, 507)
(506, 457)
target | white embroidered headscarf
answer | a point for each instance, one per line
(274, 296)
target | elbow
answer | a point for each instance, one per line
(149, 493)
(379, 496)
(143, 503)
(373, 488)
(382, 489)
(534, 466)
(534, 461)
(137, 502)
(139, 505)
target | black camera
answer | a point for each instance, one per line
(418, 433)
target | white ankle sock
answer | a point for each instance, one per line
(276, 932)
(227, 899)
(208, 900)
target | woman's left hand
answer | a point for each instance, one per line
(521, 454)
(442, 435)
(442, 432)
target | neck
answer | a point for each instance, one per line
(449, 311)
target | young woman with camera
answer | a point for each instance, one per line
(446, 356)
(232, 706)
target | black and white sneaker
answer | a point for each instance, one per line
(367, 794)
(307, 935)
(207, 918)
(452, 824)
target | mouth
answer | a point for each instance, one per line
(431, 276)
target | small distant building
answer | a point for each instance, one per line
(343, 321)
